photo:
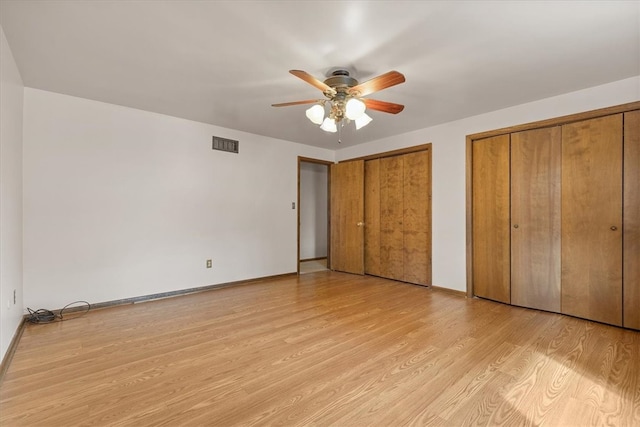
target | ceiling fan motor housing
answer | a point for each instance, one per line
(340, 80)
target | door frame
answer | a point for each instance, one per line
(302, 159)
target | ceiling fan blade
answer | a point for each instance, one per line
(376, 84)
(313, 81)
(287, 104)
(386, 107)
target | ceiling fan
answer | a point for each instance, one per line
(345, 98)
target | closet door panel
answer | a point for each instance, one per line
(631, 214)
(491, 225)
(372, 217)
(592, 219)
(417, 214)
(391, 218)
(346, 212)
(535, 218)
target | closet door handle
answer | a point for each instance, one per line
(614, 228)
(516, 226)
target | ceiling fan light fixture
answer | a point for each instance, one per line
(355, 109)
(346, 100)
(329, 125)
(362, 121)
(316, 114)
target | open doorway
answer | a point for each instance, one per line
(313, 215)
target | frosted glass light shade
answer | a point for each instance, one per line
(329, 125)
(355, 109)
(316, 114)
(362, 121)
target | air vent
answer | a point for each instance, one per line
(224, 144)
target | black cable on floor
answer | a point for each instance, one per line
(47, 316)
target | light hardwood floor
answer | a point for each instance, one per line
(313, 266)
(323, 349)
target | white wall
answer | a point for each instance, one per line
(313, 210)
(120, 202)
(11, 100)
(449, 241)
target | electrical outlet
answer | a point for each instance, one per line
(293, 205)
(209, 263)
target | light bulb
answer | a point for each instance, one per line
(329, 125)
(316, 114)
(355, 109)
(362, 121)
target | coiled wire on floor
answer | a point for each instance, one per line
(43, 315)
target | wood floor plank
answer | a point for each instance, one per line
(320, 349)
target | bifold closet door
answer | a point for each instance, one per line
(535, 218)
(398, 217)
(372, 217)
(592, 219)
(631, 213)
(391, 218)
(417, 217)
(491, 224)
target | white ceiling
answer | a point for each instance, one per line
(226, 62)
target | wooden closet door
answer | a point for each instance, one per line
(592, 219)
(535, 218)
(372, 217)
(417, 217)
(347, 217)
(491, 227)
(391, 218)
(631, 214)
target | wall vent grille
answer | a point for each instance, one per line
(224, 144)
